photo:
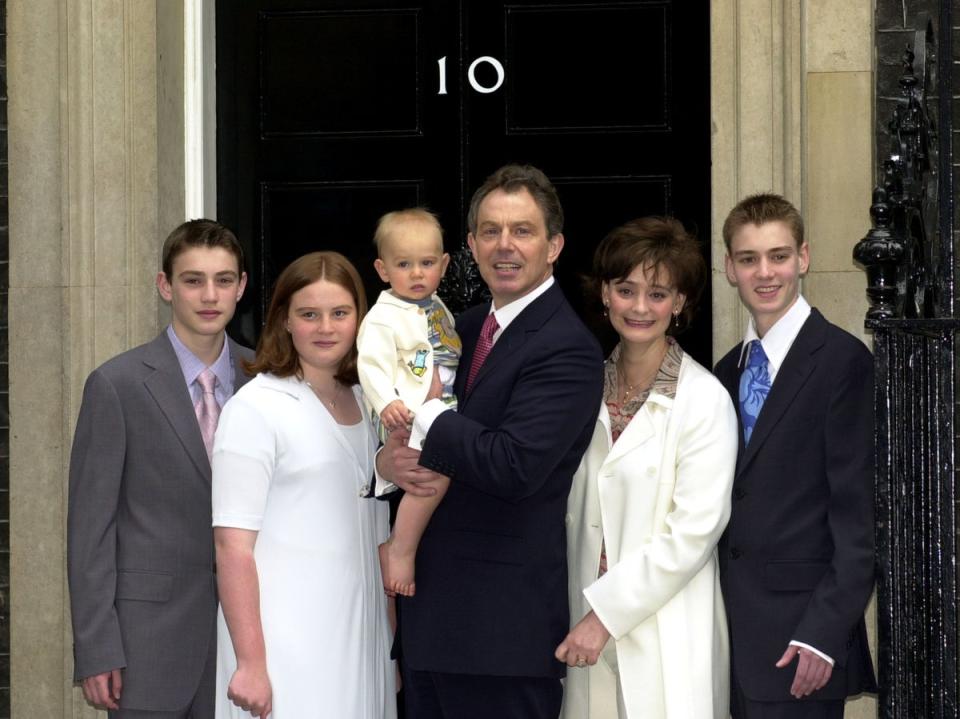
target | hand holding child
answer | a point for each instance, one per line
(396, 415)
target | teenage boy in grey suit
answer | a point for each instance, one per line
(796, 560)
(139, 538)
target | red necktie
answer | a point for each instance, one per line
(484, 343)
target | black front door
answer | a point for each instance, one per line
(332, 112)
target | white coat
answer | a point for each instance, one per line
(662, 497)
(391, 337)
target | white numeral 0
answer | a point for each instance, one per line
(471, 74)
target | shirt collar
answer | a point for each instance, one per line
(510, 311)
(387, 297)
(192, 366)
(779, 338)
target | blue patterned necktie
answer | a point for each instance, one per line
(754, 388)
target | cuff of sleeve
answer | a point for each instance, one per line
(426, 415)
(816, 651)
(380, 485)
(595, 595)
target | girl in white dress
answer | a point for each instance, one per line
(303, 629)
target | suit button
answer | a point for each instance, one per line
(735, 553)
(739, 493)
(568, 519)
(651, 471)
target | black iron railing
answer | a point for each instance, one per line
(909, 258)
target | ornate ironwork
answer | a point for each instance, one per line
(908, 256)
(462, 286)
(898, 251)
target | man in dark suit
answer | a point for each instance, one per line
(140, 543)
(796, 560)
(490, 605)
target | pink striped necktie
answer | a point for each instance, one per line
(484, 343)
(207, 409)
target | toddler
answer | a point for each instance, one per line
(408, 353)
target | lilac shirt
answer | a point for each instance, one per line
(191, 367)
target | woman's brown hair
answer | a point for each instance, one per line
(275, 351)
(654, 243)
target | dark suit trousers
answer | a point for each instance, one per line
(436, 695)
(743, 708)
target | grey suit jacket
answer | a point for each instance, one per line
(140, 553)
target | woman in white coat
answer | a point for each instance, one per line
(303, 628)
(650, 500)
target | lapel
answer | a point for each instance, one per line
(649, 420)
(468, 327)
(512, 339)
(168, 389)
(301, 391)
(237, 354)
(642, 427)
(729, 376)
(797, 367)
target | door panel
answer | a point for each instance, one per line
(330, 114)
(351, 91)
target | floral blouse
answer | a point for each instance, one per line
(664, 383)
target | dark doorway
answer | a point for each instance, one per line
(332, 112)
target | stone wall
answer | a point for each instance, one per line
(4, 385)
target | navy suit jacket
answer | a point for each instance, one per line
(491, 568)
(797, 559)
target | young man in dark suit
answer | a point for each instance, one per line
(796, 560)
(139, 537)
(490, 606)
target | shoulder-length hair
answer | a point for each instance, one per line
(275, 351)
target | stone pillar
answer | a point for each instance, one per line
(838, 154)
(91, 135)
(755, 93)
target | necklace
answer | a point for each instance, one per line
(645, 383)
(332, 402)
(631, 389)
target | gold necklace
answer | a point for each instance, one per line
(644, 384)
(629, 389)
(332, 403)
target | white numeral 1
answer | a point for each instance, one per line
(442, 64)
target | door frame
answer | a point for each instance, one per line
(199, 109)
